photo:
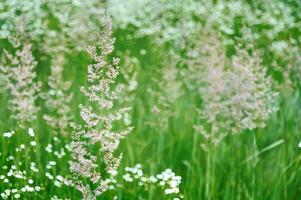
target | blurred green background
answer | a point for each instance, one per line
(263, 163)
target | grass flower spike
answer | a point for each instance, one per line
(99, 118)
(19, 77)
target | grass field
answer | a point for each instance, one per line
(170, 97)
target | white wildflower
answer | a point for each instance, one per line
(30, 132)
(33, 143)
(8, 134)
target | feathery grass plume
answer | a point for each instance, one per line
(204, 52)
(129, 85)
(168, 90)
(77, 22)
(237, 95)
(277, 17)
(57, 101)
(18, 72)
(129, 74)
(98, 128)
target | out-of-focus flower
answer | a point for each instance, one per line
(237, 94)
(19, 75)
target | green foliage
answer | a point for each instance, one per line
(258, 164)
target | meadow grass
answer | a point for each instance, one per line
(258, 164)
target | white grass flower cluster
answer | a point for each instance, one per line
(178, 22)
(57, 198)
(18, 73)
(77, 21)
(98, 128)
(267, 12)
(15, 179)
(22, 170)
(172, 17)
(237, 95)
(56, 153)
(167, 180)
(21, 16)
(168, 21)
